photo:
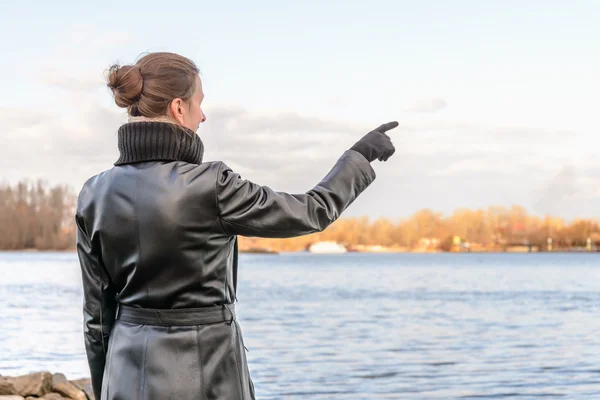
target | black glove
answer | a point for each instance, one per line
(376, 144)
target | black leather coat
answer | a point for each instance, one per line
(158, 231)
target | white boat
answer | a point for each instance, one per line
(327, 248)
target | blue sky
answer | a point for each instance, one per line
(497, 101)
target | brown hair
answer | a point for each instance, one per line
(147, 88)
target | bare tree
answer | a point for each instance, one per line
(35, 216)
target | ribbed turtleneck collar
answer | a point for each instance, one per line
(158, 141)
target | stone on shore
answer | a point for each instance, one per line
(86, 386)
(51, 396)
(45, 386)
(36, 384)
(61, 385)
(47, 396)
(7, 387)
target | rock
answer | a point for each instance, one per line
(37, 384)
(86, 386)
(53, 396)
(7, 387)
(45, 386)
(61, 385)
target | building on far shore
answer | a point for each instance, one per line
(327, 247)
(377, 248)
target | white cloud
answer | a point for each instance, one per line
(84, 36)
(72, 82)
(73, 64)
(428, 105)
(14, 119)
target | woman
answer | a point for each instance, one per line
(157, 241)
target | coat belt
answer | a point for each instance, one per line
(177, 317)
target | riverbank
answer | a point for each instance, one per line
(44, 385)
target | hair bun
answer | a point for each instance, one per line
(126, 83)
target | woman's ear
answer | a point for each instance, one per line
(176, 110)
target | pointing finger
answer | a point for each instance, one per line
(387, 127)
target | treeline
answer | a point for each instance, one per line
(38, 216)
(493, 228)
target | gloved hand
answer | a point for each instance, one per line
(376, 144)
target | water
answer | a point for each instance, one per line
(360, 326)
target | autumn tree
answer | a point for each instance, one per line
(35, 216)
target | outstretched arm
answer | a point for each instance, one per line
(248, 209)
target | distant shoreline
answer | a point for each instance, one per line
(561, 251)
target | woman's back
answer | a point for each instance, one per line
(155, 222)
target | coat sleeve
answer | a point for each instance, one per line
(248, 209)
(99, 305)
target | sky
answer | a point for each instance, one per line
(497, 101)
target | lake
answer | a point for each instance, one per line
(360, 326)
